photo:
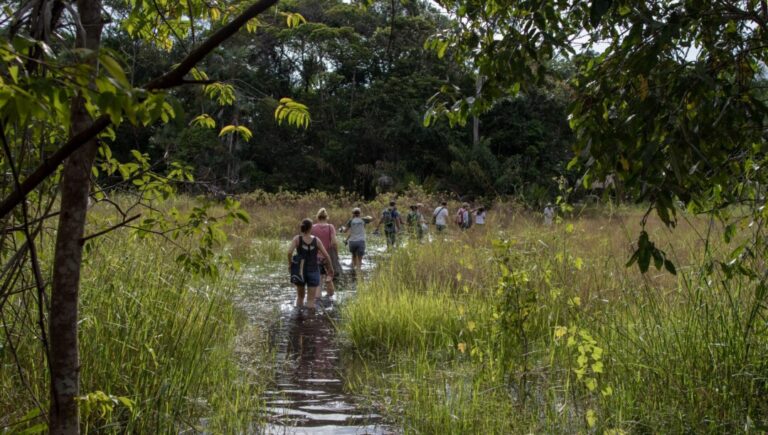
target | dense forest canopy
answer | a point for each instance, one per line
(366, 76)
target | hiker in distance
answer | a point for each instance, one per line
(549, 214)
(440, 216)
(356, 239)
(307, 247)
(415, 222)
(480, 216)
(464, 217)
(326, 233)
(392, 222)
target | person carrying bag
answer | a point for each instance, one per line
(326, 233)
(303, 266)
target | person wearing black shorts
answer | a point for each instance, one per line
(307, 246)
(356, 239)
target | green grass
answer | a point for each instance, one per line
(562, 338)
(151, 333)
(545, 332)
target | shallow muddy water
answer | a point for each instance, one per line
(307, 395)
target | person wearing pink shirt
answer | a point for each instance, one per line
(327, 234)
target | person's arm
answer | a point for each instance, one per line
(348, 231)
(334, 244)
(325, 254)
(290, 251)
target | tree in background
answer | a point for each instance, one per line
(61, 96)
(671, 102)
(668, 99)
(366, 76)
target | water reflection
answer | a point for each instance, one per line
(308, 393)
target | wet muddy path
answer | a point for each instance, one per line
(307, 395)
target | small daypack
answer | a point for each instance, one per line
(413, 218)
(388, 219)
(460, 217)
(297, 269)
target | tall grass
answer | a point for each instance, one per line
(557, 335)
(153, 334)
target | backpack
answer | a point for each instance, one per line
(388, 218)
(297, 265)
(460, 217)
(297, 269)
(413, 218)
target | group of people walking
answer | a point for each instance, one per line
(313, 254)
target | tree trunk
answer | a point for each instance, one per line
(74, 188)
(475, 117)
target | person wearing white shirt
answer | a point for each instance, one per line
(480, 216)
(549, 214)
(440, 216)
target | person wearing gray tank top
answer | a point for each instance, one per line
(356, 239)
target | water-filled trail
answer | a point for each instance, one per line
(307, 394)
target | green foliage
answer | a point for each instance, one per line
(152, 334)
(672, 105)
(203, 120)
(295, 114)
(98, 402)
(223, 94)
(293, 19)
(364, 74)
(558, 335)
(236, 129)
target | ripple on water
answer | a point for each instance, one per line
(308, 394)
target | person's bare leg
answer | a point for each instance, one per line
(311, 292)
(319, 292)
(299, 295)
(330, 287)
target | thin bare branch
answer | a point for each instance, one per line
(112, 228)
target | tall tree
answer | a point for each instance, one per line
(75, 187)
(673, 104)
(99, 96)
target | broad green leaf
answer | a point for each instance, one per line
(114, 69)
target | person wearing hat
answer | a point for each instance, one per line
(356, 238)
